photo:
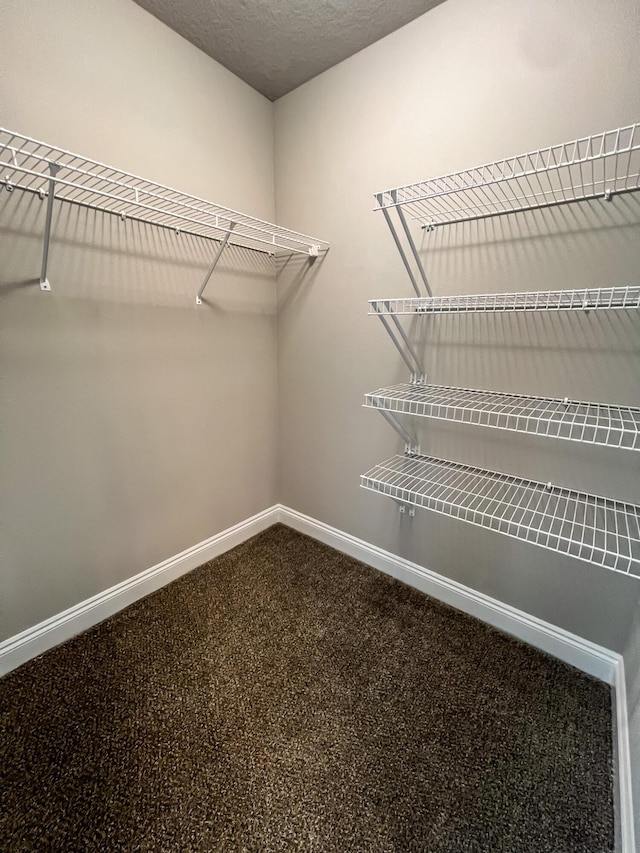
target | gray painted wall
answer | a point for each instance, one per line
(454, 89)
(133, 424)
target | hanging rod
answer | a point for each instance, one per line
(55, 173)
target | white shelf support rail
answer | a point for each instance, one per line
(588, 527)
(401, 250)
(30, 165)
(53, 171)
(215, 261)
(411, 446)
(403, 345)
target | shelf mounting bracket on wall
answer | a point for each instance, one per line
(221, 249)
(404, 346)
(53, 171)
(406, 509)
(411, 446)
(400, 247)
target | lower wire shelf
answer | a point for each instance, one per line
(596, 529)
(592, 423)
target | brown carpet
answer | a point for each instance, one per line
(286, 697)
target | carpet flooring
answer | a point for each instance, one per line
(285, 697)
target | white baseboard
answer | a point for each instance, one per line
(625, 840)
(34, 641)
(595, 660)
(584, 655)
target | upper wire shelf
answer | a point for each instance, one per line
(598, 166)
(592, 528)
(27, 164)
(591, 299)
(591, 423)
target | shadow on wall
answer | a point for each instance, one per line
(95, 255)
(577, 245)
(294, 271)
(582, 355)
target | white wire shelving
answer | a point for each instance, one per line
(598, 166)
(591, 423)
(596, 529)
(592, 528)
(589, 299)
(54, 173)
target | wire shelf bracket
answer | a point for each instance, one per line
(400, 340)
(411, 446)
(588, 527)
(53, 171)
(59, 175)
(213, 265)
(411, 243)
(590, 423)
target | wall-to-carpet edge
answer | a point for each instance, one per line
(583, 654)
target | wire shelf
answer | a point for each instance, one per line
(593, 299)
(591, 423)
(597, 166)
(25, 164)
(596, 529)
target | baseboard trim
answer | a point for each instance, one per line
(595, 660)
(583, 654)
(34, 641)
(624, 805)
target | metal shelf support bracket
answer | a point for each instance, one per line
(399, 246)
(221, 249)
(411, 446)
(407, 508)
(54, 168)
(407, 351)
(412, 246)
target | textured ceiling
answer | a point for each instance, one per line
(276, 45)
